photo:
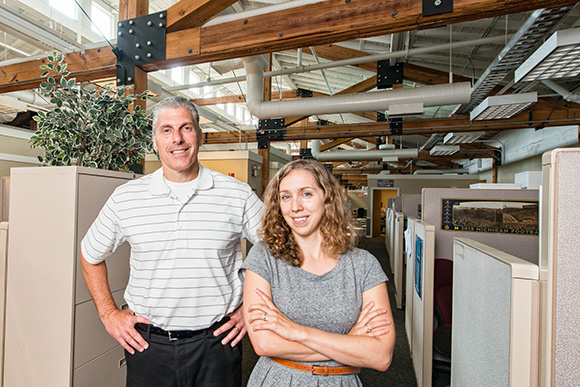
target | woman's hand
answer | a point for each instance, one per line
(268, 317)
(369, 324)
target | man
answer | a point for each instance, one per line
(183, 223)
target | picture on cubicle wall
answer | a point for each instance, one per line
(490, 216)
(418, 266)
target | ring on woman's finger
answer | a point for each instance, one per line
(237, 328)
(264, 317)
(368, 329)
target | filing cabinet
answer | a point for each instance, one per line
(54, 336)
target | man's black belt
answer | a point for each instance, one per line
(171, 335)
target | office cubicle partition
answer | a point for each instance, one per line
(560, 269)
(397, 260)
(421, 288)
(495, 318)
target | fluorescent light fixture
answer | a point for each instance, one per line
(461, 137)
(444, 150)
(558, 57)
(503, 106)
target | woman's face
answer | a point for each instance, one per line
(302, 203)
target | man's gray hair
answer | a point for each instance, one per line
(174, 103)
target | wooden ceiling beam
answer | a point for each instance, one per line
(323, 23)
(193, 13)
(85, 66)
(540, 119)
(313, 24)
(335, 143)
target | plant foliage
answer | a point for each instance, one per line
(91, 128)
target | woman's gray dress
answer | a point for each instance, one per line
(331, 302)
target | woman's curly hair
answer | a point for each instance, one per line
(337, 226)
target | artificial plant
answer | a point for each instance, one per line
(92, 128)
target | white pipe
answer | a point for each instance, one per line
(360, 154)
(565, 93)
(437, 95)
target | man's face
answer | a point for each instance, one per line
(177, 140)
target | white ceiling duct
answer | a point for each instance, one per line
(565, 93)
(360, 154)
(437, 95)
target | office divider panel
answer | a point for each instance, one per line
(495, 318)
(409, 280)
(398, 258)
(3, 257)
(560, 269)
(422, 346)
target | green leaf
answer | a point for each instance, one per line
(120, 92)
(51, 57)
(44, 74)
(65, 73)
(58, 68)
(44, 85)
(43, 67)
(63, 83)
(60, 58)
(71, 82)
(50, 66)
(50, 80)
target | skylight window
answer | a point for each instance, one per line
(66, 7)
(102, 21)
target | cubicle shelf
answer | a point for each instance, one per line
(54, 336)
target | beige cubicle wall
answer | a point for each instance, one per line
(3, 258)
(4, 197)
(524, 246)
(420, 289)
(409, 278)
(410, 204)
(397, 252)
(560, 269)
(495, 318)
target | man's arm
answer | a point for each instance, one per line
(119, 323)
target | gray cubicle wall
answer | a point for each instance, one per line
(410, 205)
(560, 269)
(495, 318)
(522, 246)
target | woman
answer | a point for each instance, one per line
(305, 287)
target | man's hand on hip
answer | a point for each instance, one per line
(121, 325)
(236, 325)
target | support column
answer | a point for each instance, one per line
(265, 152)
(129, 9)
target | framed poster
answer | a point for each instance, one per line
(419, 266)
(490, 216)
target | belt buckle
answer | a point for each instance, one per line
(324, 370)
(171, 338)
